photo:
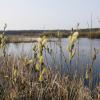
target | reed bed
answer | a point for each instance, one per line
(30, 79)
(19, 81)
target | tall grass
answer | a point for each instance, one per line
(19, 81)
(32, 79)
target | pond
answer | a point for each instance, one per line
(59, 56)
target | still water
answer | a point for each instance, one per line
(60, 54)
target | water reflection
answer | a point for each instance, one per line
(60, 53)
(25, 49)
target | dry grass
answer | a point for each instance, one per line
(19, 81)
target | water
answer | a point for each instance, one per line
(60, 54)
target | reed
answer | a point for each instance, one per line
(31, 79)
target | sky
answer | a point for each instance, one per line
(48, 14)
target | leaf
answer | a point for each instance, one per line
(41, 78)
(44, 41)
(75, 34)
(71, 55)
(27, 61)
(39, 40)
(70, 38)
(44, 70)
(37, 67)
(15, 72)
(68, 48)
(41, 59)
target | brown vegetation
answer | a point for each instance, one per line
(19, 81)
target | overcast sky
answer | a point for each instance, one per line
(48, 14)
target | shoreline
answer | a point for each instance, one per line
(28, 39)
